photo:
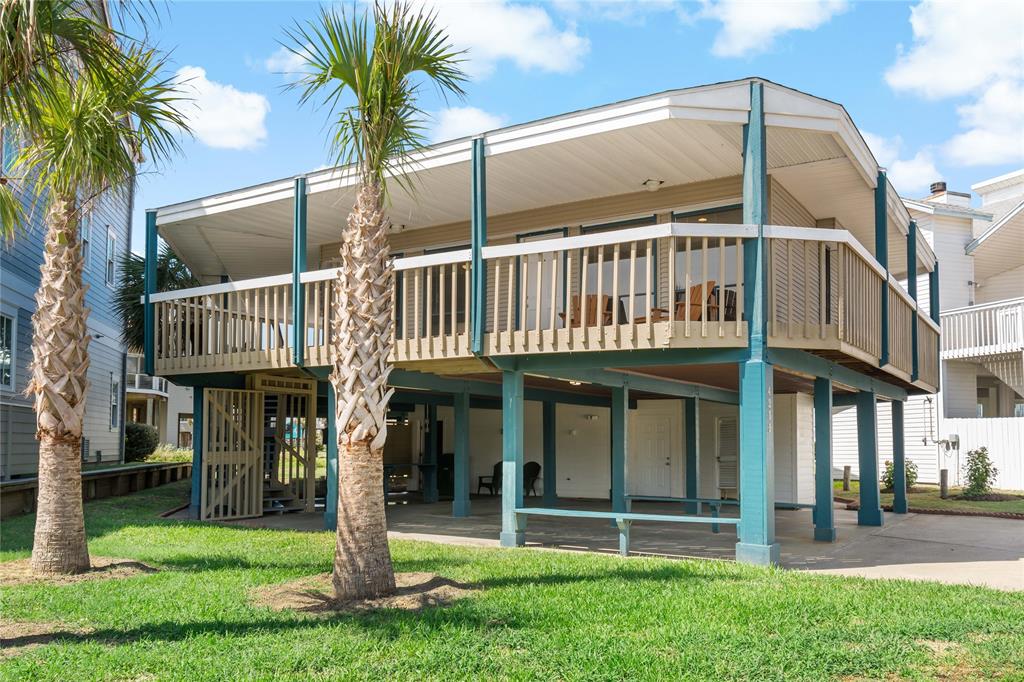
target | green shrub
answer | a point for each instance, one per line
(166, 452)
(140, 440)
(980, 473)
(890, 472)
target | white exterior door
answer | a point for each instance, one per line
(727, 455)
(651, 455)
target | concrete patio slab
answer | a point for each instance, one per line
(949, 549)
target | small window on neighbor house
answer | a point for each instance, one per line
(111, 256)
(8, 149)
(115, 402)
(7, 331)
(85, 232)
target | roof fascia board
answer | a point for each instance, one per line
(939, 209)
(1013, 212)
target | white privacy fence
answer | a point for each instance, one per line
(1004, 438)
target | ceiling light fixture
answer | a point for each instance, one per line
(702, 220)
(575, 383)
(652, 185)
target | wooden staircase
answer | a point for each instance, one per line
(277, 499)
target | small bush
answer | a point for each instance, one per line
(166, 452)
(140, 440)
(980, 473)
(890, 472)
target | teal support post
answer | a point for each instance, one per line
(899, 460)
(912, 290)
(824, 515)
(460, 501)
(870, 511)
(429, 470)
(620, 444)
(513, 534)
(882, 256)
(148, 289)
(691, 427)
(331, 499)
(298, 267)
(757, 464)
(478, 239)
(933, 293)
(197, 452)
(550, 465)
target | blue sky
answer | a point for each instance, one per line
(936, 87)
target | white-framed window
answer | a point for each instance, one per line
(115, 402)
(111, 272)
(85, 234)
(8, 337)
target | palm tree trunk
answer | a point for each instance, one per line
(60, 362)
(362, 339)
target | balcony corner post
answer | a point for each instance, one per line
(478, 272)
(882, 256)
(149, 288)
(195, 500)
(933, 292)
(912, 290)
(298, 267)
(756, 529)
(331, 498)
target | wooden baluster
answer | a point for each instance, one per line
(553, 303)
(496, 331)
(510, 325)
(539, 289)
(807, 286)
(686, 294)
(739, 287)
(442, 291)
(632, 291)
(429, 310)
(671, 286)
(616, 323)
(453, 328)
(521, 322)
(704, 293)
(823, 303)
(721, 287)
(568, 293)
(649, 274)
(584, 263)
(599, 302)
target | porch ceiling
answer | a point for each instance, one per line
(679, 137)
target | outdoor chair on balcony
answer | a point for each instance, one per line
(690, 308)
(576, 318)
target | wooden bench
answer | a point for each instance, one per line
(713, 503)
(622, 520)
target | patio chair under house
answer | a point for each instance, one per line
(657, 300)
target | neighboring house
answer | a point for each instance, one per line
(981, 285)
(599, 310)
(106, 236)
(159, 403)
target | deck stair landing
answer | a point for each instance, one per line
(278, 499)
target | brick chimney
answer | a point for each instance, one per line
(941, 195)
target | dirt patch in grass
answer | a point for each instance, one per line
(315, 594)
(17, 637)
(103, 568)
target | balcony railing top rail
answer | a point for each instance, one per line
(1008, 303)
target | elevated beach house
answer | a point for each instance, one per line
(659, 299)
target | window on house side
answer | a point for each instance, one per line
(111, 255)
(7, 330)
(115, 402)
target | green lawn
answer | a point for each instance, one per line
(540, 615)
(927, 497)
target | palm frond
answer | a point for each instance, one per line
(369, 84)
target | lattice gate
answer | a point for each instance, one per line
(288, 442)
(232, 472)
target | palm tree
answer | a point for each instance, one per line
(376, 133)
(171, 274)
(43, 42)
(87, 138)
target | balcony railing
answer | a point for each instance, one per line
(660, 286)
(983, 330)
(145, 382)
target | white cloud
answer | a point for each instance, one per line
(960, 47)
(975, 50)
(222, 116)
(284, 61)
(456, 122)
(995, 127)
(908, 175)
(497, 30)
(751, 27)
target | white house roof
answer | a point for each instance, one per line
(999, 248)
(679, 136)
(998, 182)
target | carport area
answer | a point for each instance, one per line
(949, 549)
